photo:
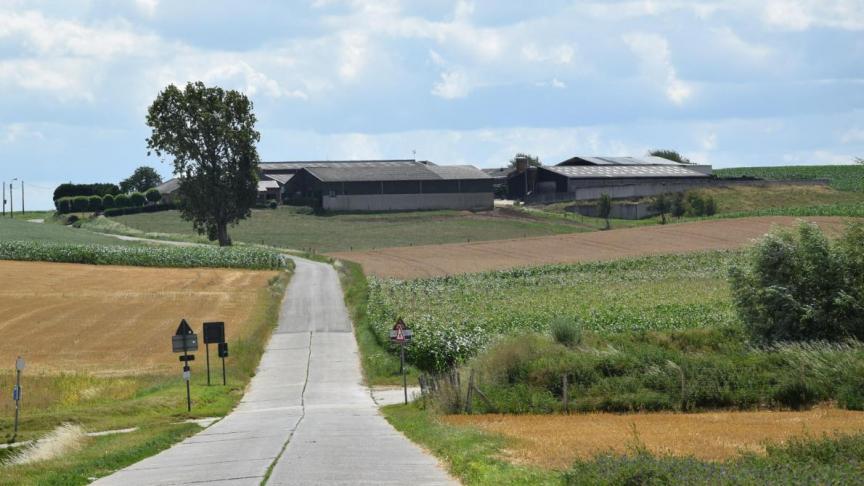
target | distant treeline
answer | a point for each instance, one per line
(97, 189)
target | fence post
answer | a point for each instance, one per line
(566, 394)
(470, 394)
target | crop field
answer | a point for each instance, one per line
(842, 177)
(114, 320)
(453, 259)
(19, 230)
(556, 441)
(741, 199)
(454, 317)
(287, 227)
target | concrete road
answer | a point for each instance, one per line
(306, 413)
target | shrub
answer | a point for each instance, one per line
(153, 195)
(801, 287)
(107, 201)
(95, 203)
(121, 201)
(136, 199)
(72, 190)
(80, 204)
(566, 331)
(698, 204)
(273, 204)
(64, 205)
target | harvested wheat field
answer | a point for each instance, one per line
(555, 441)
(450, 259)
(112, 319)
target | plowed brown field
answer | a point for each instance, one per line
(449, 259)
(555, 441)
(110, 319)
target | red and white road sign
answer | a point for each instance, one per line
(400, 332)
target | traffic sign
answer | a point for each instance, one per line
(19, 363)
(187, 375)
(223, 350)
(16, 393)
(188, 357)
(214, 332)
(184, 340)
(400, 332)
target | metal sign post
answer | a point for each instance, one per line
(401, 335)
(183, 341)
(214, 332)
(16, 393)
(223, 353)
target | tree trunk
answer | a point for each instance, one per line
(222, 234)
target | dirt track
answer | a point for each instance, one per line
(110, 319)
(437, 260)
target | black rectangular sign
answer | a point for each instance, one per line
(214, 332)
(190, 357)
(223, 350)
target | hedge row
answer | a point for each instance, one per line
(141, 209)
(82, 204)
(144, 256)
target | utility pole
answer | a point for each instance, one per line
(11, 198)
(4, 197)
(22, 197)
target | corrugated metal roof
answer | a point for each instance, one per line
(264, 185)
(168, 186)
(299, 164)
(604, 160)
(414, 171)
(610, 171)
(458, 172)
(280, 178)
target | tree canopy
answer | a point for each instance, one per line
(142, 179)
(670, 155)
(210, 133)
(533, 160)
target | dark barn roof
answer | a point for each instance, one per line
(300, 164)
(392, 171)
(581, 160)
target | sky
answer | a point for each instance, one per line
(728, 82)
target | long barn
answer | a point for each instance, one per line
(381, 185)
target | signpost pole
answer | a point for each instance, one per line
(404, 375)
(207, 353)
(224, 382)
(17, 396)
(186, 372)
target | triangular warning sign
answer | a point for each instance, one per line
(400, 336)
(183, 329)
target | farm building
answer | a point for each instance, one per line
(584, 178)
(381, 185)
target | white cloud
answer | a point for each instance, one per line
(654, 56)
(733, 44)
(853, 135)
(453, 84)
(709, 142)
(806, 14)
(354, 54)
(147, 7)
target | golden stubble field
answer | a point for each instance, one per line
(556, 441)
(115, 320)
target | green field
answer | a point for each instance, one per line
(287, 227)
(18, 230)
(453, 317)
(843, 177)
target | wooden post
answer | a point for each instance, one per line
(565, 394)
(469, 397)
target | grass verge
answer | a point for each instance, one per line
(380, 366)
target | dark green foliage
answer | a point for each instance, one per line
(97, 189)
(679, 207)
(824, 460)
(802, 287)
(64, 205)
(566, 331)
(143, 179)
(95, 203)
(604, 207)
(698, 204)
(153, 195)
(272, 204)
(670, 155)
(80, 204)
(662, 205)
(533, 160)
(137, 199)
(107, 201)
(210, 133)
(121, 201)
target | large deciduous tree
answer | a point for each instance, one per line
(141, 180)
(210, 133)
